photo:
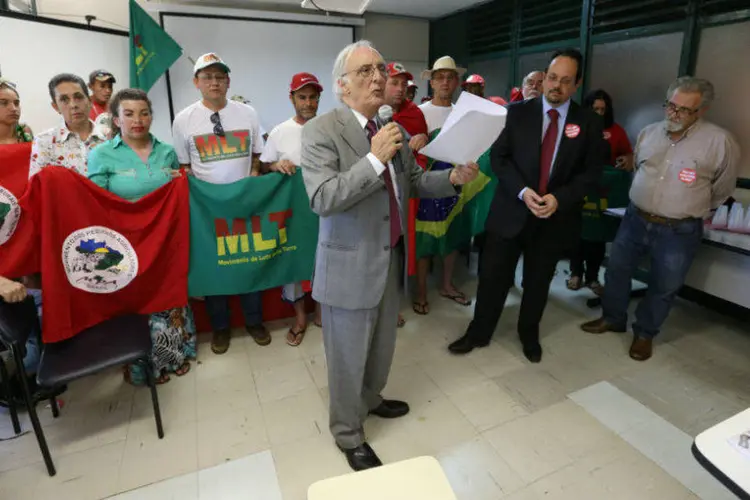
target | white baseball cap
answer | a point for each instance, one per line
(207, 60)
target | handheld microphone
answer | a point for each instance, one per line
(385, 116)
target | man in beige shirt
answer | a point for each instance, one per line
(686, 168)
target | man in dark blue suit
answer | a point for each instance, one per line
(548, 157)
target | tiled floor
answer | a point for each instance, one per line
(587, 423)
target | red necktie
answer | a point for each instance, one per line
(395, 216)
(548, 151)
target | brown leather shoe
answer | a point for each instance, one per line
(601, 326)
(259, 333)
(641, 349)
(220, 341)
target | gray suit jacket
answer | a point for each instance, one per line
(353, 254)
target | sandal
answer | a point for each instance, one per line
(182, 370)
(295, 338)
(163, 379)
(318, 323)
(574, 283)
(421, 308)
(596, 287)
(457, 297)
(401, 321)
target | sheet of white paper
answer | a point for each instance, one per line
(471, 128)
(616, 212)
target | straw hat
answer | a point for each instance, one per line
(445, 62)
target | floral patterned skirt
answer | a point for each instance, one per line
(173, 342)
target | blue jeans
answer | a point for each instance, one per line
(31, 360)
(671, 250)
(217, 307)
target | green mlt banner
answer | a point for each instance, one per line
(251, 235)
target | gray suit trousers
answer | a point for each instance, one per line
(359, 347)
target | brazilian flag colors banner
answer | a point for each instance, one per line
(443, 225)
(254, 234)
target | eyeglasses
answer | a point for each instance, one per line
(213, 77)
(682, 110)
(218, 128)
(368, 71)
(563, 81)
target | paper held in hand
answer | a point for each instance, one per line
(470, 130)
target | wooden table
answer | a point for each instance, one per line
(415, 479)
(714, 451)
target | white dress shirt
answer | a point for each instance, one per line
(377, 164)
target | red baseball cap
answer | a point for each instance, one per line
(396, 68)
(473, 79)
(304, 79)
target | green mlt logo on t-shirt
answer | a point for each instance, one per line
(234, 144)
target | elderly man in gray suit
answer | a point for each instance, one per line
(359, 175)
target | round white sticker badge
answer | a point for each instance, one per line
(99, 260)
(572, 131)
(10, 212)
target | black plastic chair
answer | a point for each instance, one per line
(115, 342)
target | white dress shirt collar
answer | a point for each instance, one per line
(562, 109)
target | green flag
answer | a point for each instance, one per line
(152, 50)
(254, 234)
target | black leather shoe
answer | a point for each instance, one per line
(361, 458)
(390, 408)
(465, 345)
(533, 354)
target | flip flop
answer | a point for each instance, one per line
(183, 370)
(421, 308)
(458, 298)
(401, 321)
(296, 337)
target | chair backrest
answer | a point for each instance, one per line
(17, 321)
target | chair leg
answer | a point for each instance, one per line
(54, 406)
(31, 408)
(9, 399)
(154, 397)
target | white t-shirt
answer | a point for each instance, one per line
(284, 143)
(435, 115)
(216, 159)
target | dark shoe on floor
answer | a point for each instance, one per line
(362, 457)
(220, 341)
(465, 345)
(259, 333)
(390, 408)
(641, 349)
(601, 326)
(533, 353)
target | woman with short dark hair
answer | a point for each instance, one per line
(131, 165)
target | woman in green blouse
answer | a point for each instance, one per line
(131, 165)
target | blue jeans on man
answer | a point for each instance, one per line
(670, 248)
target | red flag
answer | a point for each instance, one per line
(19, 247)
(102, 256)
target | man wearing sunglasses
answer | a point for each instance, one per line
(220, 142)
(686, 167)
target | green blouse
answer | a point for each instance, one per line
(118, 169)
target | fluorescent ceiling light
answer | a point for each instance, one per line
(345, 6)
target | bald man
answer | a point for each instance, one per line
(532, 85)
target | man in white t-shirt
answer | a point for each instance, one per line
(282, 154)
(444, 79)
(219, 141)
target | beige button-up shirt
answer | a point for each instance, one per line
(686, 178)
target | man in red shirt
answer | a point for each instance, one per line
(408, 115)
(101, 83)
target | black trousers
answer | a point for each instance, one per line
(591, 255)
(498, 269)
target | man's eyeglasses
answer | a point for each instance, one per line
(369, 70)
(218, 128)
(682, 110)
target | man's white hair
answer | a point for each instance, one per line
(339, 67)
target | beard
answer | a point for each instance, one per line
(674, 127)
